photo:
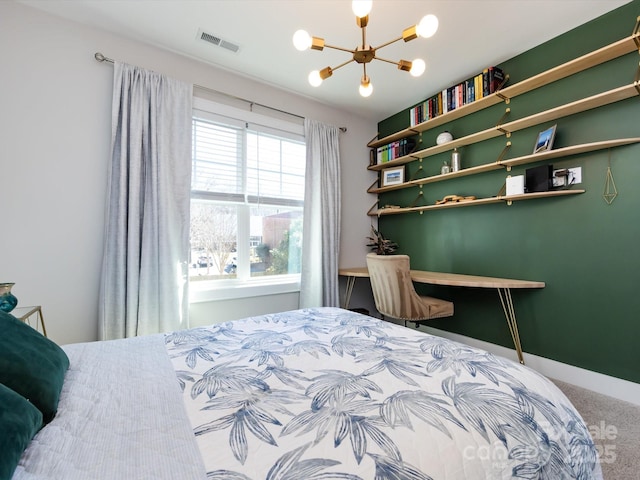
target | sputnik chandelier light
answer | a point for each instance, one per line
(364, 53)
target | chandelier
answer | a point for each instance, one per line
(365, 53)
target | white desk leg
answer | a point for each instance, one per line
(347, 294)
(510, 314)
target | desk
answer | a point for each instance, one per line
(503, 285)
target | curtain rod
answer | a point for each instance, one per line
(101, 58)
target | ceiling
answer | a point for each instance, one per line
(473, 34)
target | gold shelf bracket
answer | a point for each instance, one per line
(418, 171)
(371, 212)
(372, 186)
(507, 111)
(503, 152)
(499, 94)
(415, 201)
(505, 132)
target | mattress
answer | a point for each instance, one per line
(308, 394)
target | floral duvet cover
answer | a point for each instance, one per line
(331, 394)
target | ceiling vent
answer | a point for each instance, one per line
(215, 40)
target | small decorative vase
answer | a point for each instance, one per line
(8, 300)
(444, 137)
(455, 160)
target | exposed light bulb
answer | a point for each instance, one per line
(428, 26)
(361, 8)
(417, 67)
(302, 40)
(366, 88)
(315, 79)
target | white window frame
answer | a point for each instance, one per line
(212, 290)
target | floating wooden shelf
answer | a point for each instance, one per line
(568, 151)
(588, 103)
(471, 203)
(512, 162)
(460, 112)
(604, 54)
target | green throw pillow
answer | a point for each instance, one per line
(19, 422)
(31, 365)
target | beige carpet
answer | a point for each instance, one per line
(615, 427)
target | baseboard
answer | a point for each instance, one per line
(597, 382)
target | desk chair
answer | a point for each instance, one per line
(395, 295)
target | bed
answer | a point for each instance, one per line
(310, 394)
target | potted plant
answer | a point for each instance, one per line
(379, 244)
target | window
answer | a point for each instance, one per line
(247, 194)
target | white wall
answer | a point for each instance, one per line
(55, 128)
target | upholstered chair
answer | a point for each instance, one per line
(395, 295)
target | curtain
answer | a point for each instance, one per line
(143, 286)
(321, 223)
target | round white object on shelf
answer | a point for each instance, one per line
(444, 137)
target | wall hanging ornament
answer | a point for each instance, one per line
(610, 191)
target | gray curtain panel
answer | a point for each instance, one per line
(321, 224)
(144, 271)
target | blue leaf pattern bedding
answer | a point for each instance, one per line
(323, 394)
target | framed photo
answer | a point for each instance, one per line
(392, 176)
(544, 141)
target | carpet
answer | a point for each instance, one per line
(615, 428)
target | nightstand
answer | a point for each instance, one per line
(32, 316)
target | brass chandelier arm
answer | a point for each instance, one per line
(328, 71)
(388, 43)
(343, 64)
(340, 48)
(364, 35)
(388, 61)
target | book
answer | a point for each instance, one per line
(478, 86)
(485, 82)
(496, 77)
(391, 151)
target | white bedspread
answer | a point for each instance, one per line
(319, 394)
(120, 417)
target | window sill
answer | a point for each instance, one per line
(210, 292)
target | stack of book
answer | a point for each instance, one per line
(393, 150)
(472, 89)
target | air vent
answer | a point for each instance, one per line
(215, 40)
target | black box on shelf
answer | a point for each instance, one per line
(539, 179)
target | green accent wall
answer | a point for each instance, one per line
(587, 252)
